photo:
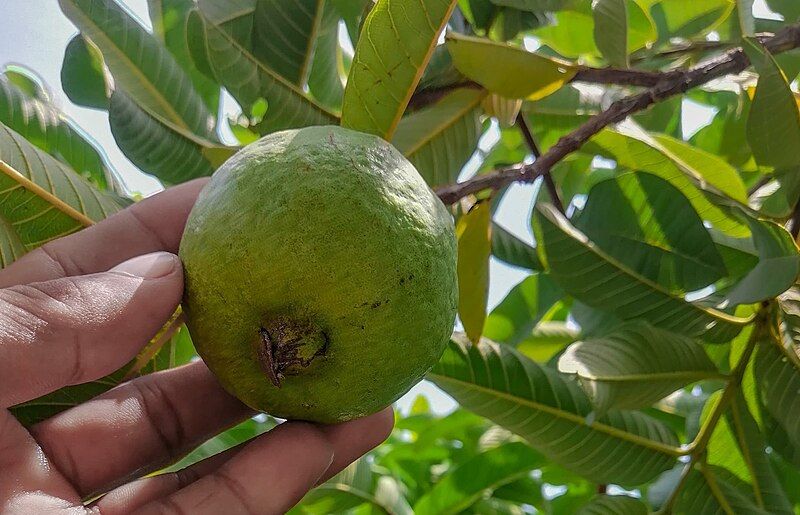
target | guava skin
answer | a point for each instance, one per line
(324, 245)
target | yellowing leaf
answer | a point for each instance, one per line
(507, 70)
(396, 43)
(474, 247)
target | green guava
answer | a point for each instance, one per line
(320, 274)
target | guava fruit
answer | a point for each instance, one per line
(320, 274)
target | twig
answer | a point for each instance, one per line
(731, 62)
(522, 124)
(794, 223)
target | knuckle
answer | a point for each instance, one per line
(161, 413)
(234, 490)
(34, 313)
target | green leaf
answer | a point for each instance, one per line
(611, 30)
(41, 197)
(635, 366)
(594, 277)
(649, 226)
(284, 34)
(773, 128)
(325, 78)
(439, 139)
(614, 505)
(713, 490)
(497, 382)
(250, 81)
(83, 76)
(511, 250)
(473, 232)
(49, 129)
(140, 64)
(461, 487)
(688, 169)
(777, 268)
(747, 22)
(394, 47)
(516, 316)
(546, 340)
(507, 70)
(171, 26)
(11, 247)
(777, 373)
(678, 18)
(738, 445)
(157, 148)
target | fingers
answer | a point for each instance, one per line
(154, 224)
(27, 477)
(138, 427)
(73, 330)
(268, 475)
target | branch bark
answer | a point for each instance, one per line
(673, 83)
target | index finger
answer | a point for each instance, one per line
(154, 224)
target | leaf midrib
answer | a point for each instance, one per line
(566, 415)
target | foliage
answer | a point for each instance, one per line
(652, 352)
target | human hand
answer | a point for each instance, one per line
(81, 307)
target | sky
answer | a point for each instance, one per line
(37, 39)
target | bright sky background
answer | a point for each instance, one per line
(38, 32)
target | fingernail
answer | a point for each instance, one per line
(148, 266)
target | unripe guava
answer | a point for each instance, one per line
(320, 274)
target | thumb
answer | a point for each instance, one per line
(77, 329)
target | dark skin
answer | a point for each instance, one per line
(81, 307)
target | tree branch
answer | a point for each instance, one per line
(674, 83)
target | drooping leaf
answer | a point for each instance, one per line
(158, 149)
(611, 30)
(635, 366)
(396, 42)
(439, 139)
(41, 197)
(507, 70)
(464, 485)
(738, 446)
(594, 277)
(614, 505)
(473, 232)
(516, 316)
(83, 76)
(688, 169)
(48, 128)
(324, 79)
(648, 225)
(777, 374)
(773, 128)
(777, 268)
(250, 81)
(284, 35)
(712, 490)
(511, 250)
(497, 382)
(140, 64)
(171, 26)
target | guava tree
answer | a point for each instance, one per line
(650, 360)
